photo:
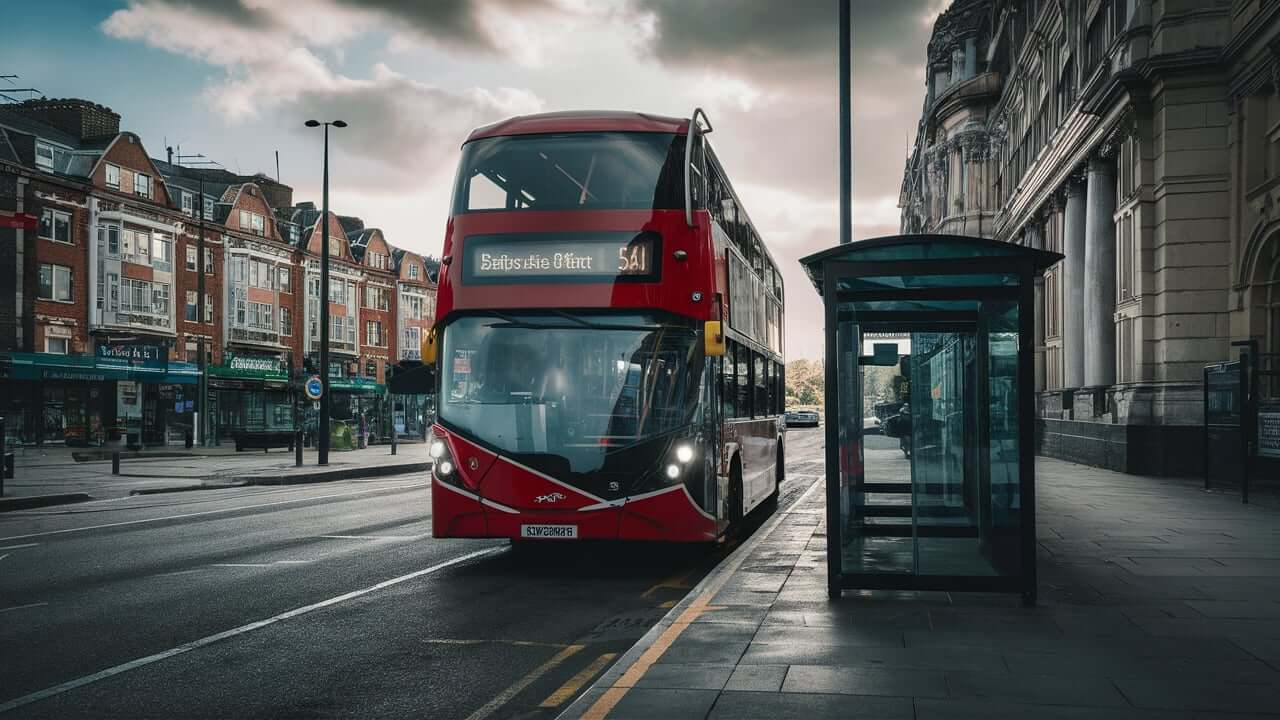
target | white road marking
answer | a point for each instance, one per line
(292, 562)
(21, 607)
(374, 537)
(241, 565)
(206, 512)
(226, 634)
(18, 547)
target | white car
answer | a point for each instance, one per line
(801, 418)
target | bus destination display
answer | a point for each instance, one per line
(594, 257)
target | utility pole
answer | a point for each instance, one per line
(323, 425)
(846, 120)
(202, 388)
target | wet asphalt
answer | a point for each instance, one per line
(319, 601)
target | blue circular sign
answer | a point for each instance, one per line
(313, 387)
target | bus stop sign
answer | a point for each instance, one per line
(313, 387)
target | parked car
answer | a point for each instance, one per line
(801, 418)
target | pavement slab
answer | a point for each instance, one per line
(1157, 600)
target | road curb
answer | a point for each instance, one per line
(332, 475)
(728, 566)
(186, 488)
(38, 501)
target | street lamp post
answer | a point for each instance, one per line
(323, 424)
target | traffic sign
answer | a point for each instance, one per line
(313, 387)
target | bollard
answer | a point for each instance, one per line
(297, 448)
(393, 437)
(115, 462)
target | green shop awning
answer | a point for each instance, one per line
(356, 385)
(87, 368)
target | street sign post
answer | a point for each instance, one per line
(314, 388)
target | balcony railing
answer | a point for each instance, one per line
(253, 335)
(137, 319)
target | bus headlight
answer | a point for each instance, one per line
(445, 467)
(673, 471)
(684, 453)
(437, 449)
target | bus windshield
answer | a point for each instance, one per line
(578, 386)
(571, 171)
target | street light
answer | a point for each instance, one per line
(323, 424)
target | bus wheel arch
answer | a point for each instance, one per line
(737, 499)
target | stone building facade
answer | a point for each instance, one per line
(1138, 138)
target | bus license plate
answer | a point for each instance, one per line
(565, 532)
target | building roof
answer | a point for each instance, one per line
(582, 121)
(922, 247)
(30, 126)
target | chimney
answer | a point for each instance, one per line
(81, 118)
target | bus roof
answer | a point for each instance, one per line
(582, 121)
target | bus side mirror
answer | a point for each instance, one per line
(713, 341)
(429, 347)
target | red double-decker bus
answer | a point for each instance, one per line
(609, 337)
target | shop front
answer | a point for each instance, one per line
(83, 400)
(249, 393)
(357, 399)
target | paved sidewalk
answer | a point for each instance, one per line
(55, 472)
(1157, 600)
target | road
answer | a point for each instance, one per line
(318, 601)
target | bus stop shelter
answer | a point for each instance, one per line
(939, 494)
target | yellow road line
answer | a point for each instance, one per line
(483, 641)
(679, 582)
(601, 708)
(570, 689)
(506, 695)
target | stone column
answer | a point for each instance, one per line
(1036, 240)
(1100, 276)
(1073, 286)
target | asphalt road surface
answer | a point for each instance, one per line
(318, 601)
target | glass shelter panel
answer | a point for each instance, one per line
(930, 480)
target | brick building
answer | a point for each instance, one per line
(100, 314)
(94, 333)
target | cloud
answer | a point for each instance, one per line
(272, 66)
(784, 43)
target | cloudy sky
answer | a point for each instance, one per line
(235, 79)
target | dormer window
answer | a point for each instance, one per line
(44, 156)
(113, 176)
(253, 222)
(413, 272)
(188, 201)
(142, 185)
